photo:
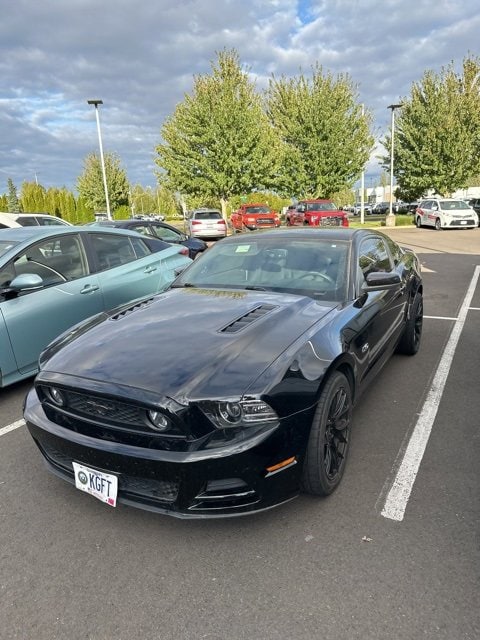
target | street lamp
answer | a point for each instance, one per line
(390, 218)
(96, 103)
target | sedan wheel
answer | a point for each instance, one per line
(438, 224)
(418, 222)
(329, 438)
(410, 340)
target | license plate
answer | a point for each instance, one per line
(463, 221)
(100, 485)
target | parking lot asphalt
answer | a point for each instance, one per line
(336, 569)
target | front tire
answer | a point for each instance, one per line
(418, 222)
(329, 439)
(438, 224)
(410, 340)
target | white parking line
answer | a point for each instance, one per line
(12, 427)
(399, 494)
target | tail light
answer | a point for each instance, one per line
(196, 222)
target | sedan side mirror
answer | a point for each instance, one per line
(378, 280)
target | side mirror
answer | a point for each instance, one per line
(377, 280)
(26, 282)
(23, 282)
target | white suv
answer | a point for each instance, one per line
(445, 213)
(207, 223)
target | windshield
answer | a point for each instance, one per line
(207, 215)
(315, 268)
(257, 210)
(320, 206)
(6, 245)
(453, 205)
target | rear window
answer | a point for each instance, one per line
(207, 215)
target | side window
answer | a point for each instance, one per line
(55, 260)
(141, 228)
(166, 234)
(27, 221)
(395, 250)
(140, 248)
(373, 257)
(112, 250)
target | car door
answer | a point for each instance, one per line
(127, 269)
(382, 312)
(68, 294)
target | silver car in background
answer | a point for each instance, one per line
(207, 223)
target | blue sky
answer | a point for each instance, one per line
(140, 59)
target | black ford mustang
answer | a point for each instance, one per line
(232, 391)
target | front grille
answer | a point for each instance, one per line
(330, 221)
(111, 410)
(107, 418)
(266, 221)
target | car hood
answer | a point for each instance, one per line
(184, 343)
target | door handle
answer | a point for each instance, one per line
(149, 269)
(90, 288)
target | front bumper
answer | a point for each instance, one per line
(221, 482)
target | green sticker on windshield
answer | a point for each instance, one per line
(242, 248)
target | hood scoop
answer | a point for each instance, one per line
(134, 307)
(248, 318)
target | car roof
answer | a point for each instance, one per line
(24, 235)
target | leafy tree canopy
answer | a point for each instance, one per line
(324, 132)
(218, 142)
(437, 132)
(90, 183)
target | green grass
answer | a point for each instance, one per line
(400, 221)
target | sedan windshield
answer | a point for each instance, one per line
(314, 268)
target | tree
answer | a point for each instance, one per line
(325, 134)
(218, 142)
(437, 132)
(32, 197)
(12, 198)
(90, 182)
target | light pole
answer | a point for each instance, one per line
(390, 218)
(96, 103)
(362, 186)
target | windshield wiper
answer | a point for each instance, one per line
(255, 288)
(180, 285)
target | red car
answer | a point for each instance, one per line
(254, 216)
(317, 213)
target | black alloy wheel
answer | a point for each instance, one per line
(329, 439)
(410, 340)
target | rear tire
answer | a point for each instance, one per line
(329, 439)
(438, 224)
(410, 340)
(418, 222)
